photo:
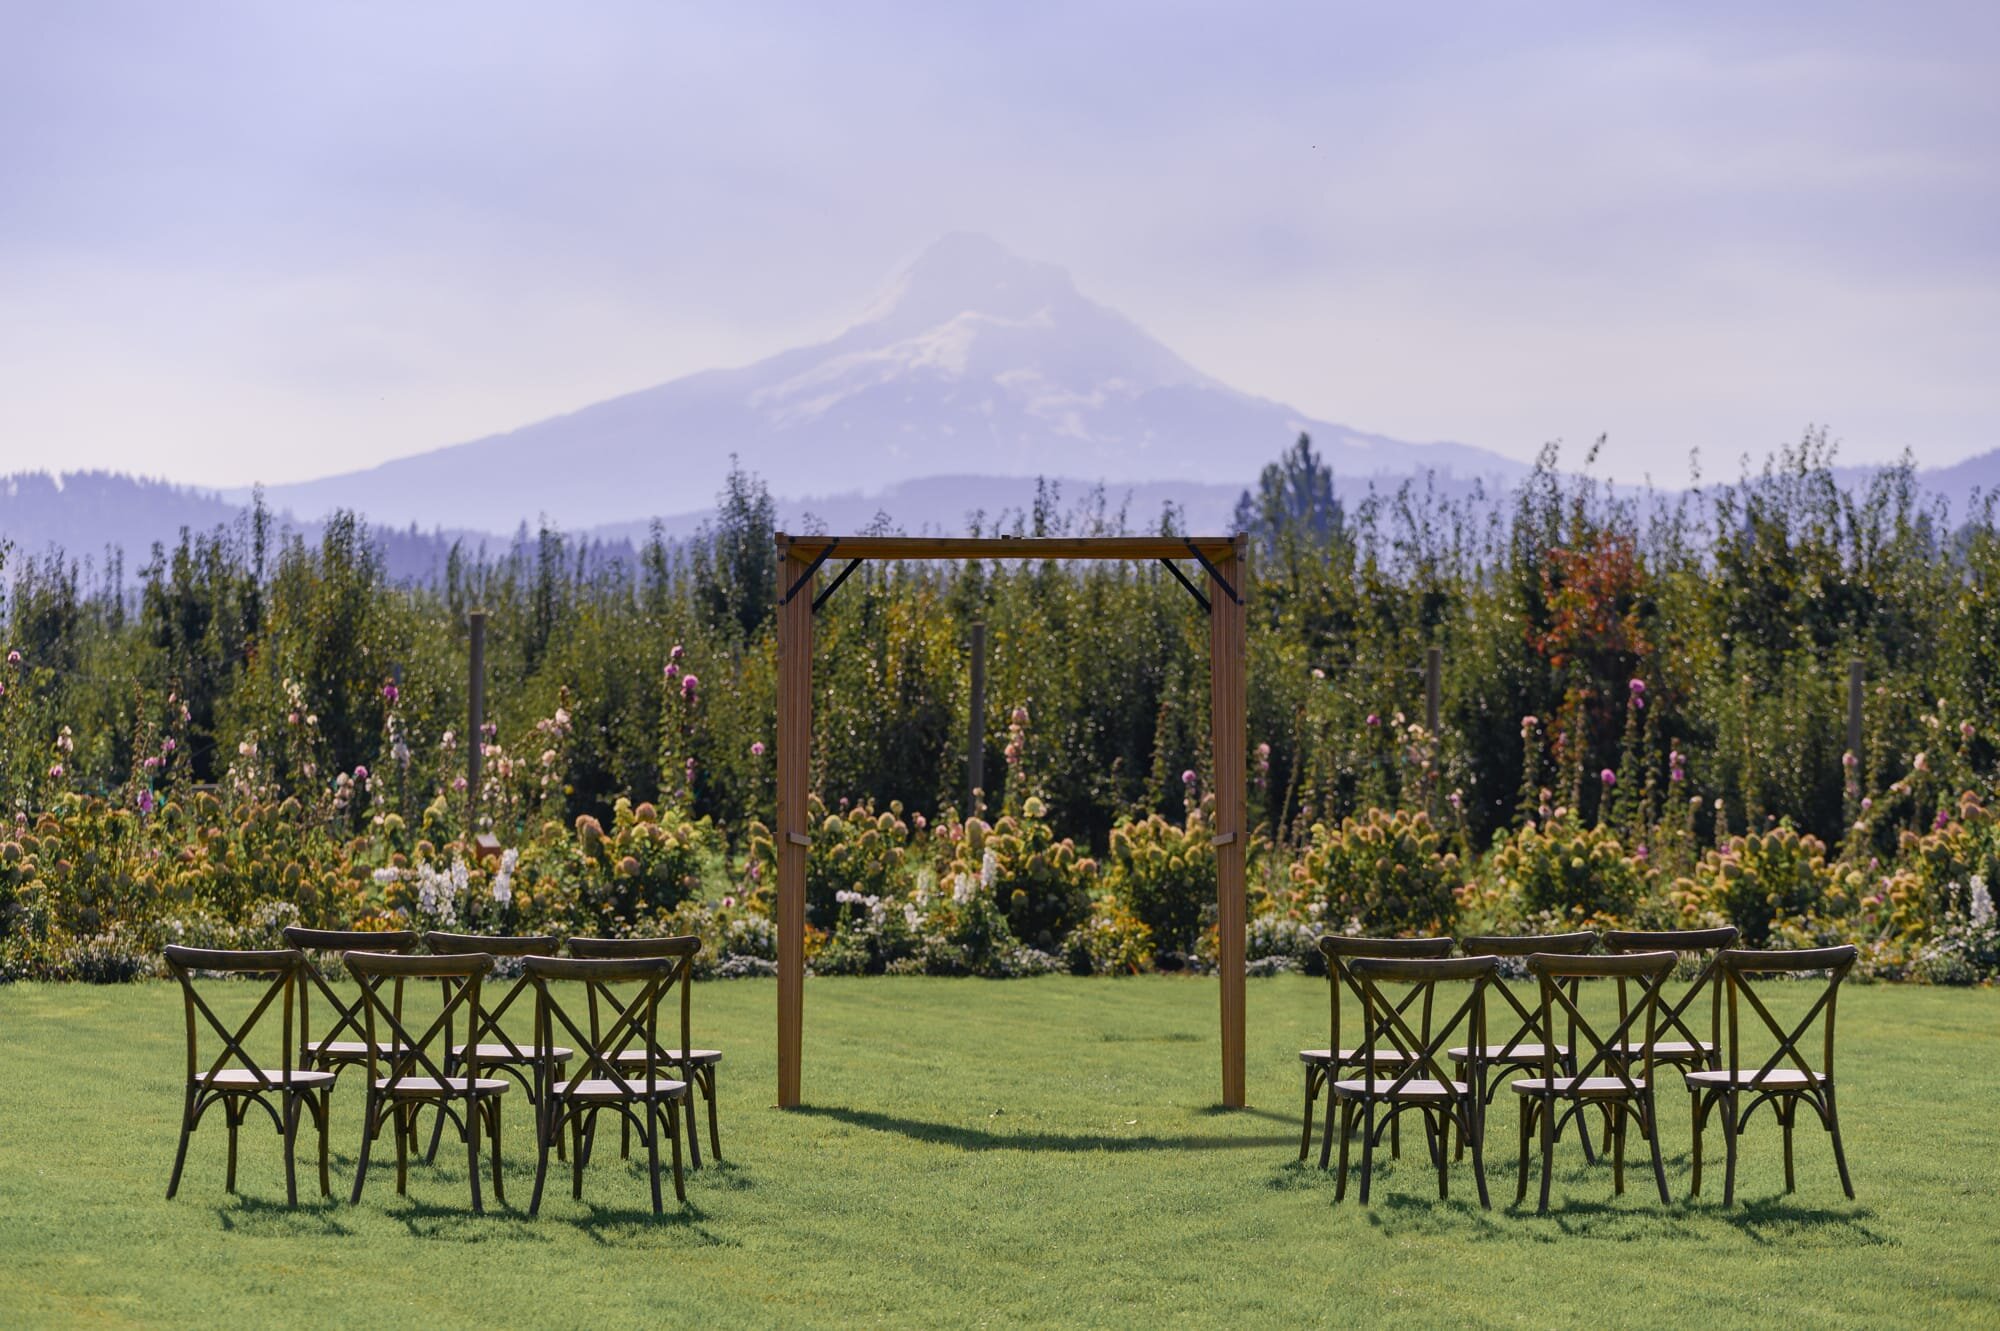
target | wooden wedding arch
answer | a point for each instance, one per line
(1224, 566)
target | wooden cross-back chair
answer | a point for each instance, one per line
(342, 1046)
(1419, 1079)
(647, 1101)
(696, 1067)
(1786, 1078)
(1322, 1066)
(1562, 1089)
(1524, 1047)
(404, 1075)
(235, 1078)
(499, 1053)
(1679, 1044)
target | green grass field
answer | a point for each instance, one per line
(1022, 1152)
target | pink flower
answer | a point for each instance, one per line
(729, 903)
(167, 745)
(688, 685)
(1848, 760)
(1608, 777)
(1965, 730)
(1318, 673)
(756, 748)
(1187, 777)
(1374, 720)
(1529, 723)
(13, 658)
(145, 801)
(1866, 805)
(917, 821)
(1637, 686)
(360, 774)
(55, 770)
(1020, 717)
(391, 692)
(676, 653)
(671, 671)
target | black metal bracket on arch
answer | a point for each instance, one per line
(1212, 572)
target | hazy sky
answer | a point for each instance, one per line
(280, 240)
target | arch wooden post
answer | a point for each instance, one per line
(795, 645)
(1227, 747)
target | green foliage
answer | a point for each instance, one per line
(1754, 880)
(1383, 873)
(1164, 874)
(1583, 877)
(1040, 884)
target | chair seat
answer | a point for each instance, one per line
(637, 1057)
(1394, 1057)
(1414, 1089)
(1528, 1053)
(604, 1088)
(500, 1053)
(432, 1088)
(1781, 1078)
(244, 1078)
(1596, 1088)
(351, 1048)
(1667, 1048)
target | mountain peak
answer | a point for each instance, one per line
(965, 272)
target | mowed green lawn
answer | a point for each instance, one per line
(1022, 1152)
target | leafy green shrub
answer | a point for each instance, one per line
(856, 850)
(1381, 873)
(1113, 941)
(1041, 884)
(1583, 876)
(1164, 874)
(1756, 879)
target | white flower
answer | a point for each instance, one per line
(989, 865)
(962, 888)
(912, 917)
(385, 876)
(1982, 902)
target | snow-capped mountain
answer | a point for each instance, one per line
(973, 361)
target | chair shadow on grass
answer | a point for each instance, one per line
(321, 1217)
(978, 1139)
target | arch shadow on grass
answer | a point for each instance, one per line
(979, 1139)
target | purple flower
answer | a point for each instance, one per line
(55, 769)
(756, 748)
(1608, 777)
(1187, 777)
(671, 671)
(1637, 686)
(391, 692)
(1942, 819)
(1374, 720)
(1965, 730)
(360, 774)
(145, 801)
(13, 658)
(1848, 760)
(688, 686)
(676, 653)
(167, 745)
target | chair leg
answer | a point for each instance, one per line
(1527, 1106)
(674, 1135)
(1839, 1153)
(472, 1108)
(437, 1128)
(624, 1138)
(1548, 1115)
(181, 1152)
(1368, 1144)
(368, 1130)
(1582, 1133)
(493, 1129)
(691, 1075)
(290, 1117)
(1618, 1120)
(1789, 1111)
(1440, 1135)
(403, 1114)
(1475, 1128)
(1326, 1136)
(576, 1152)
(1306, 1123)
(1653, 1140)
(653, 1148)
(714, 1132)
(1396, 1137)
(1346, 1135)
(1729, 1127)
(1698, 1114)
(546, 1127)
(325, 1127)
(233, 1119)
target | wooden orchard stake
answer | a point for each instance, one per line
(1433, 690)
(795, 644)
(475, 718)
(1854, 712)
(975, 746)
(1227, 745)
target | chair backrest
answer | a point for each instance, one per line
(683, 946)
(285, 966)
(638, 1012)
(1528, 1028)
(347, 1017)
(1738, 965)
(1559, 975)
(1681, 942)
(487, 1016)
(407, 1054)
(1340, 950)
(1383, 1017)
